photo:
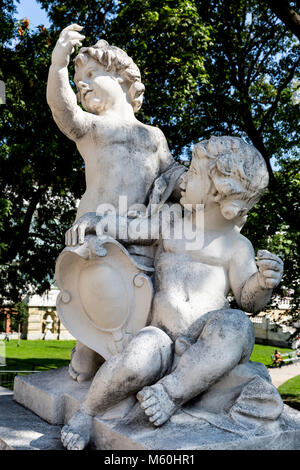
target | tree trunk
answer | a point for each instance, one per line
(286, 14)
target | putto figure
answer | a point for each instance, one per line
(122, 156)
(195, 339)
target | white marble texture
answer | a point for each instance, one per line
(180, 341)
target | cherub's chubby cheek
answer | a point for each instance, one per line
(231, 209)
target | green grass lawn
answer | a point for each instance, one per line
(290, 392)
(37, 355)
(43, 355)
(262, 353)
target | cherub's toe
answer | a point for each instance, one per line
(148, 403)
(83, 377)
(68, 439)
(81, 443)
(144, 394)
(73, 442)
(64, 433)
(160, 421)
(155, 417)
(73, 373)
(152, 410)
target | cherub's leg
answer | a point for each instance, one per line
(84, 363)
(144, 361)
(226, 340)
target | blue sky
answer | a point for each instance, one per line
(31, 9)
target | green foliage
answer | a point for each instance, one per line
(94, 15)
(272, 224)
(22, 316)
(39, 182)
(5, 206)
(169, 42)
(209, 67)
(7, 9)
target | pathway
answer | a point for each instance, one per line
(20, 429)
(279, 375)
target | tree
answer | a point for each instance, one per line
(209, 67)
(249, 65)
(287, 14)
(39, 183)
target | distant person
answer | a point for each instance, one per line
(278, 358)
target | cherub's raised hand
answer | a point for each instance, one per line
(68, 39)
(270, 269)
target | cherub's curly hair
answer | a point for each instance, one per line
(116, 60)
(236, 169)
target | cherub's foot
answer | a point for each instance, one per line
(76, 434)
(156, 403)
(84, 363)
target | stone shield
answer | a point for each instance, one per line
(105, 295)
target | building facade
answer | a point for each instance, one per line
(43, 321)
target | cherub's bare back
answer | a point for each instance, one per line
(121, 159)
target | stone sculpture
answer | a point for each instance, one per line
(48, 328)
(122, 156)
(179, 345)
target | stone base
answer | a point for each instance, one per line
(21, 429)
(55, 397)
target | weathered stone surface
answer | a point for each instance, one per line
(186, 343)
(21, 429)
(44, 393)
(134, 432)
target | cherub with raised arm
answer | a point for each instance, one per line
(122, 156)
(194, 338)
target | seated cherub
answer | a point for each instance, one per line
(190, 308)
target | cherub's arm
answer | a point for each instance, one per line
(252, 286)
(168, 183)
(69, 117)
(165, 157)
(141, 230)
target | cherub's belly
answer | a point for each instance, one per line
(185, 291)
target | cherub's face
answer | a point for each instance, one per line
(196, 184)
(99, 90)
(197, 188)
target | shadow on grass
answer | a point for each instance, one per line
(34, 364)
(29, 365)
(292, 401)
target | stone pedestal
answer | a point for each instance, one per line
(20, 429)
(55, 397)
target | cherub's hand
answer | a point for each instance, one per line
(86, 223)
(68, 39)
(159, 188)
(112, 225)
(270, 269)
